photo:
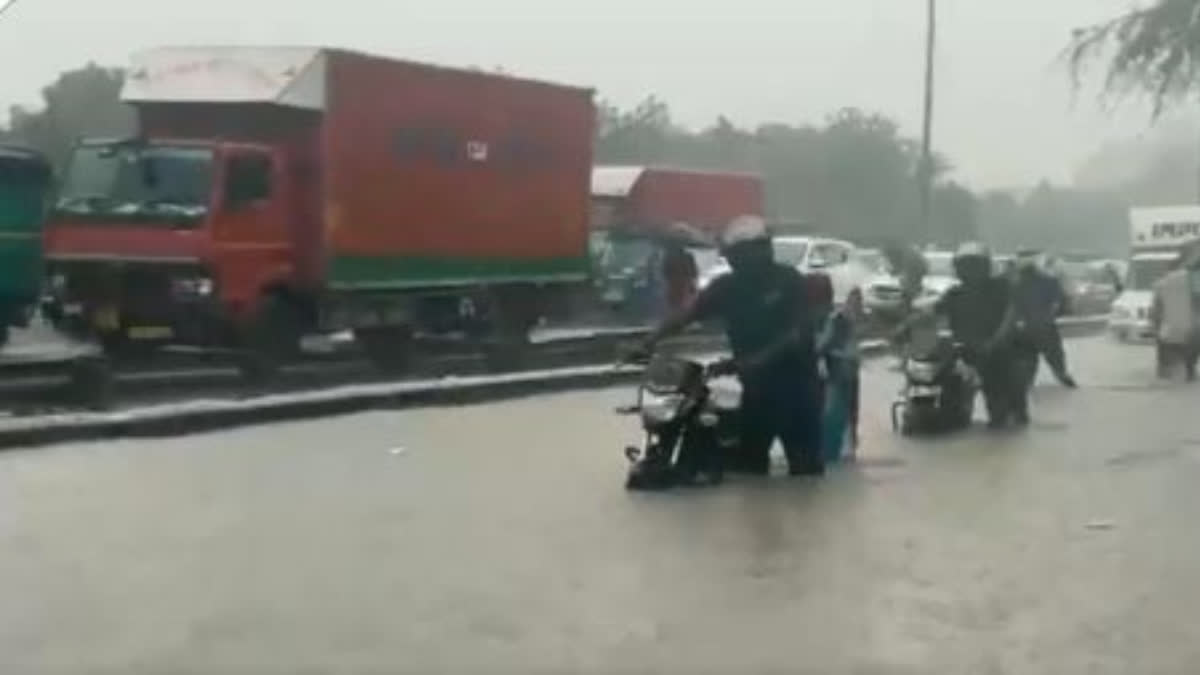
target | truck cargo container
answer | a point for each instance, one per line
(663, 201)
(276, 191)
(634, 209)
(25, 181)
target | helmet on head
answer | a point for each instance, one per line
(1029, 258)
(972, 249)
(746, 245)
(744, 230)
(972, 261)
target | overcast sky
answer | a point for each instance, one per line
(1005, 115)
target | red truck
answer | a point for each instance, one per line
(273, 192)
(634, 208)
(655, 200)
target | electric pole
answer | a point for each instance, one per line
(925, 169)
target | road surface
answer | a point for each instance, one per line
(497, 538)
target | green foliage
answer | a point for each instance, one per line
(1055, 218)
(1153, 49)
(83, 102)
(852, 175)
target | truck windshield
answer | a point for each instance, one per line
(1143, 272)
(139, 183)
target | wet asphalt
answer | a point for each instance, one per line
(498, 538)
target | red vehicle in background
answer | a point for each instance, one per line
(637, 210)
(274, 192)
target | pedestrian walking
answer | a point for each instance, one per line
(1038, 300)
(1174, 315)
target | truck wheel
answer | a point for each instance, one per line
(92, 383)
(512, 317)
(388, 347)
(119, 347)
(272, 338)
(506, 353)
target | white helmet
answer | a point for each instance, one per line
(972, 249)
(744, 229)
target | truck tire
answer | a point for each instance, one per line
(506, 346)
(91, 384)
(119, 347)
(388, 347)
(271, 339)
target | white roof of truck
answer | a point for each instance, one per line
(1164, 226)
(287, 76)
(615, 181)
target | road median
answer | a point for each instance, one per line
(195, 416)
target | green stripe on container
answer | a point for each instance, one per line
(413, 271)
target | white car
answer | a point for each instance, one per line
(839, 259)
(882, 294)
(1129, 318)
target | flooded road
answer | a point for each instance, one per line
(498, 538)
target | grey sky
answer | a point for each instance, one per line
(1005, 115)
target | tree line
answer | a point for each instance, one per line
(852, 175)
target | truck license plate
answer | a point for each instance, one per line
(925, 391)
(106, 319)
(150, 332)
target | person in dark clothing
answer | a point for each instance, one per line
(771, 332)
(910, 268)
(1038, 300)
(981, 315)
(681, 275)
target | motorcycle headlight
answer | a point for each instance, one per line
(659, 409)
(921, 371)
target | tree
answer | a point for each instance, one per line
(1154, 49)
(82, 102)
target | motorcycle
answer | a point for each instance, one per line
(939, 389)
(690, 423)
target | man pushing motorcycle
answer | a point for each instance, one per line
(769, 324)
(981, 315)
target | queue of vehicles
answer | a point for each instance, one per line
(272, 193)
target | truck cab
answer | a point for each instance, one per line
(154, 241)
(25, 182)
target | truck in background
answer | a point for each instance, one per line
(1157, 237)
(25, 183)
(637, 208)
(274, 192)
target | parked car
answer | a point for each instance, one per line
(939, 277)
(883, 297)
(1089, 286)
(835, 257)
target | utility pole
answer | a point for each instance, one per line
(925, 170)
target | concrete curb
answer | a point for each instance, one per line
(209, 415)
(196, 416)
